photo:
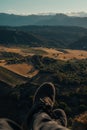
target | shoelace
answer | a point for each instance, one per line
(47, 107)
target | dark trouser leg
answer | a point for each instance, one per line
(42, 121)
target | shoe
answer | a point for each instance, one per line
(7, 124)
(60, 117)
(43, 100)
(45, 95)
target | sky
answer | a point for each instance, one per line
(42, 6)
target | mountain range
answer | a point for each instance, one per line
(55, 19)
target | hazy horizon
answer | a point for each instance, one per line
(26, 7)
(77, 14)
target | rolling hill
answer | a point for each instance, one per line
(13, 37)
(80, 44)
(45, 36)
(56, 19)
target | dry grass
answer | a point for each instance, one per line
(21, 69)
(64, 54)
(10, 77)
(14, 50)
(82, 118)
(28, 70)
(68, 54)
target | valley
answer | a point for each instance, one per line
(31, 55)
(23, 69)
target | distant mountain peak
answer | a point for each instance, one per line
(78, 14)
(58, 19)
